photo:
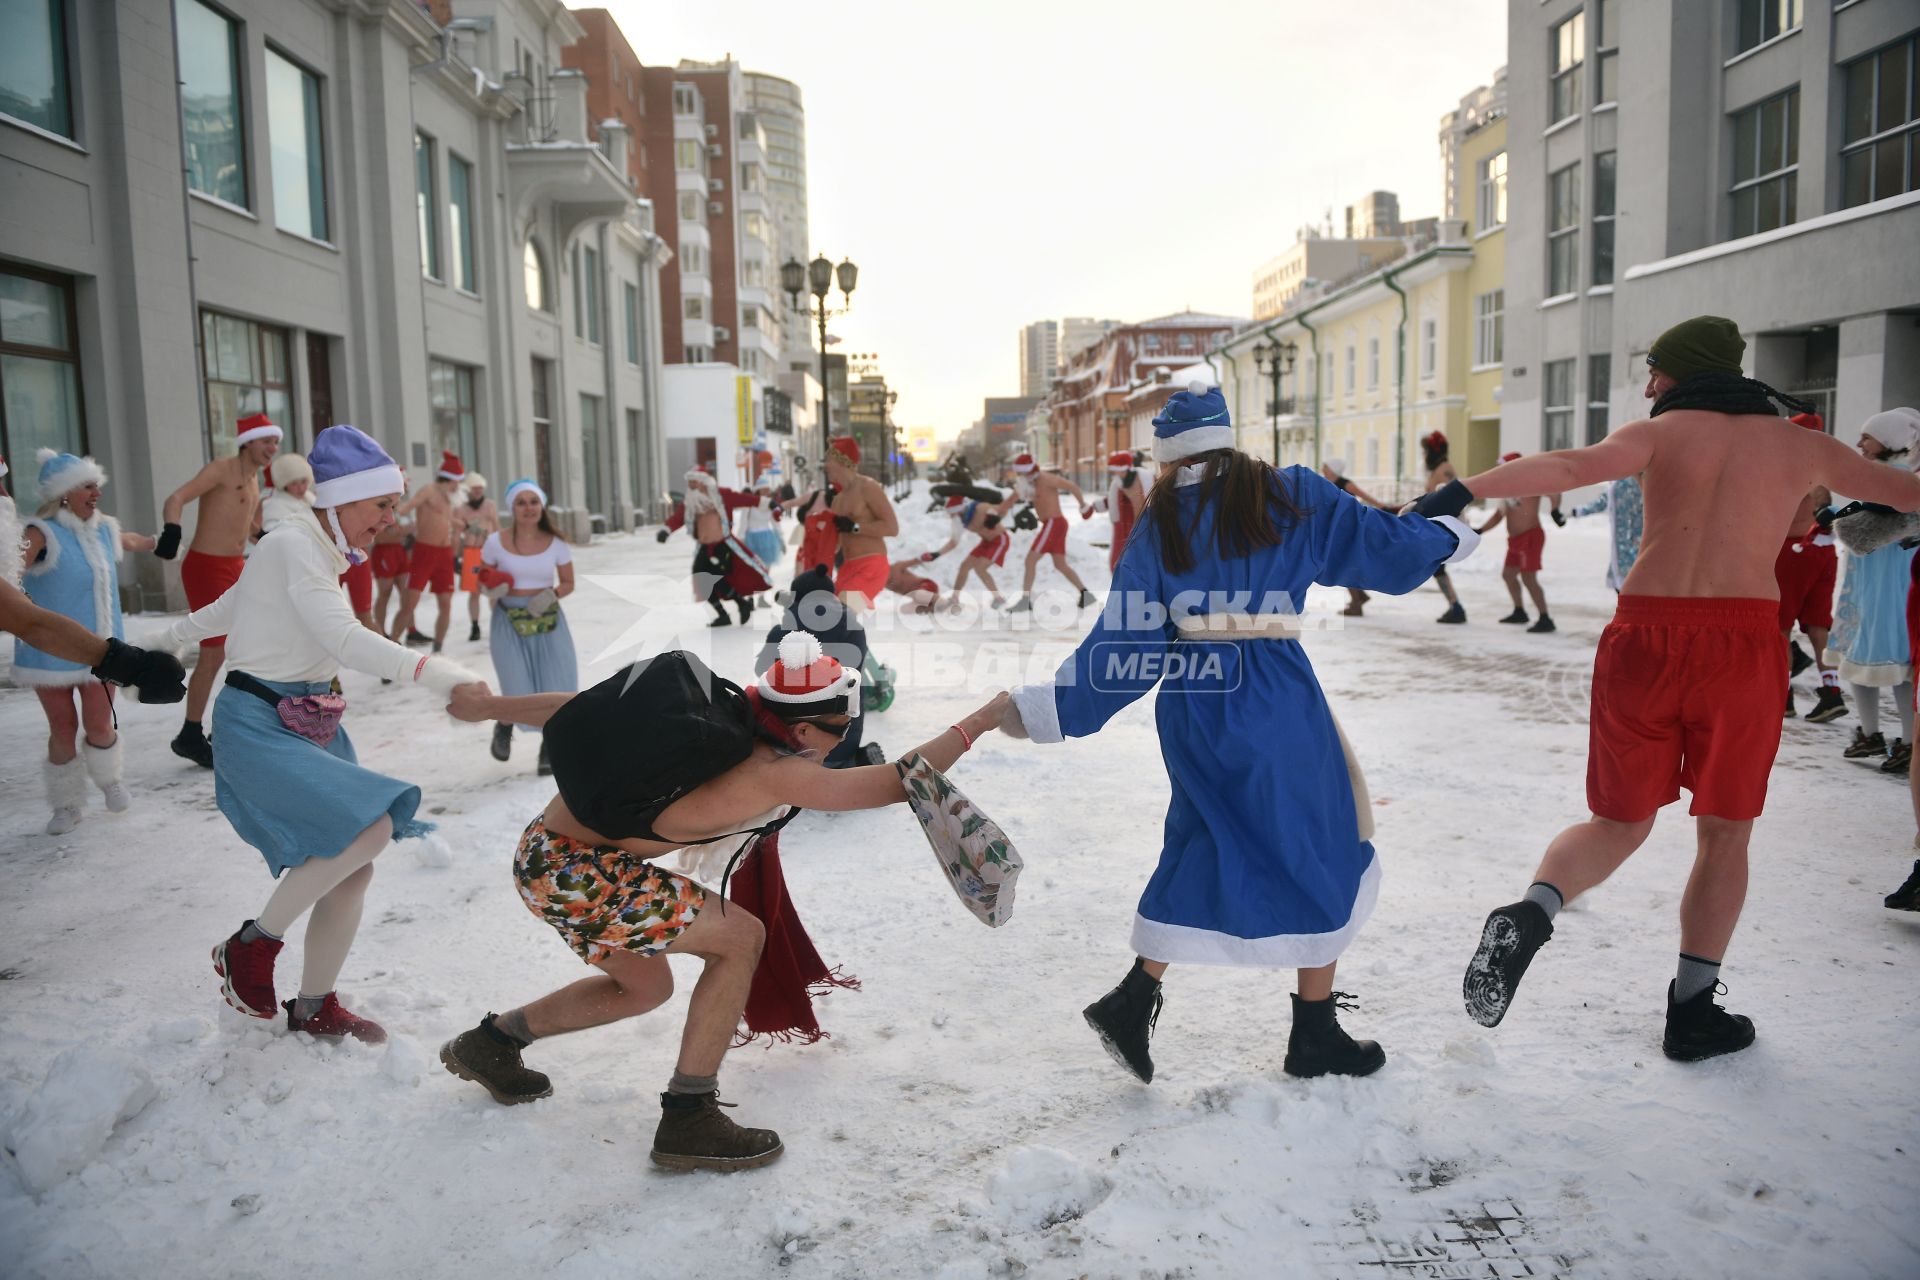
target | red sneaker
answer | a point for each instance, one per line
(248, 970)
(333, 1021)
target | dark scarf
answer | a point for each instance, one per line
(1726, 393)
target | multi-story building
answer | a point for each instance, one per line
(330, 215)
(1039, 357)
(1005, 425)
(777, 104)
(1077, 333)
(1316, 260)
(1757, 159)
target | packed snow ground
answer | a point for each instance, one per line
(962, 1121)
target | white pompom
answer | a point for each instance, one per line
(799, 650)
(1197, 388)
(44, 454)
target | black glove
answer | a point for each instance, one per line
(1025, 518)
(1449, 499)
(1855, 508)
(1823, 516)
(663, 535)
(786, 493)
(1559, 517)
(169, 544)
(845, 524)
(928, 557)
(158, 676)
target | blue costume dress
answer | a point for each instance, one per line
(1626, 519)
(78, 577)
(1869, 638)
(1266, 859)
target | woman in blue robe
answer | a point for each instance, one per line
(1266, 860)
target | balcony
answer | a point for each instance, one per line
(555, 161)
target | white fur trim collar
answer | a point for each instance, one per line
(105, 581)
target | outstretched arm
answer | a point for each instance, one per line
(1845, 471)
(812, 786)
(1623, 453)
(47, 631)
(176, 503)
(474, 703)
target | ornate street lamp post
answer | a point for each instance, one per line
(1272, 359)
(817, 277)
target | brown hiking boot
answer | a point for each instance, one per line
(491, 1059)
(694, 1134)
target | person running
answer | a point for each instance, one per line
(1526, 539)
(227, 515)
(757, 525)
(984, 521)
(71, 554)
(1805, 571)
(474, 520)
(1267, 860)
(1334, 470)
(723, 566)
(430, 565)
(1043, 490)
(288, 780)
(865, 520)
(1440, 472)
(1626, 515)
(1868, 642)
(1689, 672)
(588, 866)
(531, 643)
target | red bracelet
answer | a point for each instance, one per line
(963, 737)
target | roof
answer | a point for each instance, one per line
(1190, 320)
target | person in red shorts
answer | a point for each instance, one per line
(1526, 540)
(388, 564)
(1043, 490)
(992, 541)
(1807, 570)
(865, 520)
(1689, 671)
(431, 565)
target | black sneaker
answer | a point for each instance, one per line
(1124, 1018)
(1907, 896)
(1798, 659)
(414, 637)
(1865, 745)
(695, 1134)
(1699, 1028)
(1789, 713)
(542, 766)
(1543, 626)
(1507, 943)
(1456, 612)
(191, 744)
(502, 747)
(1318, 1045)
(1827, 705)
(1899, 759)
(1517, 616)
(491, 1059)
(473, 631)
(1087, 597)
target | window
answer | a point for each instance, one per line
(694, 308)
(1563, 231)
(1373, 455)
(687, 156)
(1606, 53)
(630, 299)
(39, 374)
(1492, 207)
(1186, 342)
(693, 207)
(1880, 147)
(1559, 405)
(450, 399)
(1766, 164)
(460, 210)
(635, 429)
(1599, 373)
(1373, 363)
(33, 76)
(209, 53)
(1489, 337)
(693, 259)
(590, 452)
(533, 265)
(1151, 342)
(426, 199)
(1758, 21)
(543, 423)
(685, 101)
(1429, 346)
(296, 142)
(753, 225)
(1566, 50)
(586, 293)
(245, 365)
(1349, 369)
(1603, 217)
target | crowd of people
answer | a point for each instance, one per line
(1723, 523)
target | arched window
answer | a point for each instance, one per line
(536, 270)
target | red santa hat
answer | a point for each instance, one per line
(255, 426)
(1509, 457)
(805, 682)
(847, 447)
(450, 467)
(954, 501)
(1434, 440)
(1023, 464)
(1811, 421)
(1119, 462)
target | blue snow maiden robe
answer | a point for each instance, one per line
(1266, 859)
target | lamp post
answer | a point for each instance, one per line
(817, 277)
(1273, 358)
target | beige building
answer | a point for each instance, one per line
(1315, 260)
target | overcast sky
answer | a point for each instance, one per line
(998, 162)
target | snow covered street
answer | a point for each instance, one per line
(962, 1121)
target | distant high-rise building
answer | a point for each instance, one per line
(1039, 357)
(778, 106)
(1077, 333)
(1374, 215)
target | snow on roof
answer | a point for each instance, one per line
(1191, 320)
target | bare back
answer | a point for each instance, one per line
(224, 519)
(1046, 495)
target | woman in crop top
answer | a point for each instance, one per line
(529, 568)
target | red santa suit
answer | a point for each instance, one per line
(724, 565)
(1120, 507)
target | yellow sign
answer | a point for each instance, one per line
(743, 407)
(921, 446)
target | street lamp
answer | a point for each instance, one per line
(817, 278)
(1274, 358)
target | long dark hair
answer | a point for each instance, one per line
(545, 525)
(1252, 508)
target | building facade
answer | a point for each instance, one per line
(1314, 260)
(1039, 357)
(778, 105)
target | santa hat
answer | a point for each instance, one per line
(1337, 466)
(1434, 440)
(847, 447)
(1193, 421)
(1811, 421)
(1897, 429)
(764, 480)
(349, 465)
(289, 468)
(450, 467)
(956, 501)
(1120, 462)
(519, 487)
(1023, 464)
(255, 426)
(62, 473)
(1509, 457)
(806, 682)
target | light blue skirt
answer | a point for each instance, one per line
(1869, 639)
(289, 797)
(531, 664)
(766, 544)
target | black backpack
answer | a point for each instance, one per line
(630, 746)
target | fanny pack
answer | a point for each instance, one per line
(314, 716)
(528, 623)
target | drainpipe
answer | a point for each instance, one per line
(611, 356)
(1313, 335)
(651, 467)
(1273, 427)
(1399, 387)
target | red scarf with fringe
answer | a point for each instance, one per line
(790, 972)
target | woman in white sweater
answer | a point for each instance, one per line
(288, 780)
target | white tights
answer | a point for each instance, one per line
(334, 889)
(1866, 705)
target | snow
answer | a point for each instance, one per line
(963, 1121)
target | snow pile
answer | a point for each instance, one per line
(1040, 1186)
(65, 1123)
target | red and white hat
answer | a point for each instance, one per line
(806, 682)
(451, 467)
(1023, 464)
(1119, 462)
(1509, 457)
(954, 501)
(255, 426)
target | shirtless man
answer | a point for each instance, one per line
(1043, 490)
(431, 566)
(866, 520)
(1440, 472)
(1689, 674)
(473, 520)
(388, 561)
(228, 493)
(1806, 569)
(1526, 539)
(985, 521)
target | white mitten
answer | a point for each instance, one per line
(544, 602)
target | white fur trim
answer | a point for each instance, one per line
(799, 650)
(40, 678)
(52, 556)
(268, 432)
(67, 479)
(1024, 468)
(103, 763)
(1183, 944)
(519, 487)
(1185, 444)
(66, 784)
(11, 532)
(88, 531)
(1469, 540)
(380, 482)
(1038, 712)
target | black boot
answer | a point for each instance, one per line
(502, 741)
(1318, 1045)
(1456, 613)
(1699, 1028)
(745, 605)
(490, 1058)
(191, 744)
(473, 630)
(720, 618)
(1124, 1019)
(1542, 626)
(695, 1134)
(1519, 615)
(1507, 943)
(1907, 896)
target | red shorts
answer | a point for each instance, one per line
(1806, 577)
(994, 548)
(865, 574)
(1686, 693)
(1523, 550)
(207, 578)
(1052, 538)
(389, 559)
(469, 565)
(430, 568)
(358, 580)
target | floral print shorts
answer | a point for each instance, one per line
(601, 898)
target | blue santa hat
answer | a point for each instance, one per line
(1193, 421)
(62, 473)
(349, 465)
(519, 487)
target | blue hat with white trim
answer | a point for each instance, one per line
(1193, 421)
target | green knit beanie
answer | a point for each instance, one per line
(1704, 344)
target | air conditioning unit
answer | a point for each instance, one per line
(713, 131)
(713, 150)
(722, 334)
(716, 206)
(716, 184)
